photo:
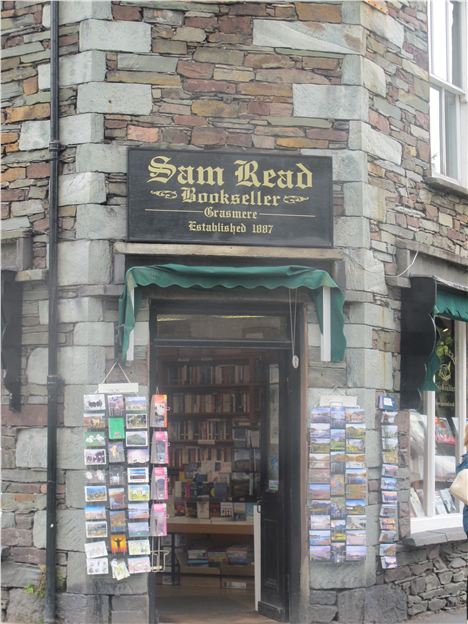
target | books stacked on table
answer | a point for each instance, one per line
(241, 554)
(197, 556)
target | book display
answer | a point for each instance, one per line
(121, 521)
(214, 458)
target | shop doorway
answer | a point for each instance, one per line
(233, 415)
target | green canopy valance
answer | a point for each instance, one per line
(451, 304)
(185, 276)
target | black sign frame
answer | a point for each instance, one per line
(247, 212)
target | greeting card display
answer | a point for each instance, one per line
(158, 412)
(159, 448)
(389, 490)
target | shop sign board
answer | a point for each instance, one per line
(186, 196)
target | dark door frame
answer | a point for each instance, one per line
(295, 530)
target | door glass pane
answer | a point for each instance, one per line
(222, 326)
(451, 138)
(435, 129)
(439, 39)
(273, 429)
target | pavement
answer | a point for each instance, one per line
(455, 616)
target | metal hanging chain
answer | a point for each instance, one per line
(292, 326)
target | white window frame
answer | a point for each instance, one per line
(461, 95)
(431, 521)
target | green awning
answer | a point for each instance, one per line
(451, 304)
(185, 276)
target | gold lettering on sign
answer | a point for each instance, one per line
(248, 174)
(161, 170)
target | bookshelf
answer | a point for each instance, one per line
(215, 403)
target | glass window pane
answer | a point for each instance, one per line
(418, 428)
(273, 429)
(439, 39)
(451, 135)
(222, 326)
(434, 108)
(455, 23)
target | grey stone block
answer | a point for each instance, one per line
(101, 222)
(79, 583)
(358, 70)
(362, 136)
(82, 188)
(76, 68)
(31, 448)
(129, 617)
(76, 608)
(348, 165)
(322, 613)
(70, 530)
(19, 574)
(8, 520)
(74, 488)
(121, 36)
(79, 10)
(147, 62)
(351, 606)
(365, 272)
(385, 603)
(24, 607)
(383, 25)
(94, 333)
(109, 158)
(369, 368)
(321, 597)
(74, 129)
(70, 454)
(73, 404)
(335, 101)
(114, 98)
(81, 365)
(74, 310)
(84, 262)
(352, 232)
(36, 367)
(21, 50)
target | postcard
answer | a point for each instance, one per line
(138, 529)
(388, 524)
(319, 460)
(96, 549)
(116, 428)
(119, 569)
(94, 422)
(389, 510)
(355, 445)
(138, 511)
(356, 506)
(138, 493)
(115, 404)
(136, 404)
(96, 529)
(356, 431)
(137, 420)
(158, 412)
(138, 474)
(319, 553)
(95, 438)
(320, 415)
(356, 523)
(319, 475)
(136, 438)
(338, 417)
(356, 476)
(117, 475)
(95, 512)
(448, 500)
(338, 552)
(95, 493)
(389, 483)
(118, 521)
(139, 565)
(337, 439)
(139, 547)
(387, 537)
(338, 507)
(389, 444)
(389, 496)
(97, 566)
(319, 538)
(117, 498)
(338, 462)
(319, 446)
(337, 485)
(338, 534)
(387, 550)
(158, 520)
(389, 417)
(390, 431)
(355, 553)
(319, 491)
(388, 562)
(159, 483)
(389, 470)
(95, 477)
(320, 507)
(159, 448)
(355, 415)
(355, 460)
(138, 455)
(338, 524)
(116, 452)
(356, 538)
(94, 403)
(390, 457)
(318, 523)
(94, 457)
(356, 491)
(118, 544)
(319, 431)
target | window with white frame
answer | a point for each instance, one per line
(448, 102)
(437, 435)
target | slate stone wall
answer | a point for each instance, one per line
(340, 79)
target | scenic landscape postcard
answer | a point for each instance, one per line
(115, 404)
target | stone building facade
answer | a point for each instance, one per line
(343, 79)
